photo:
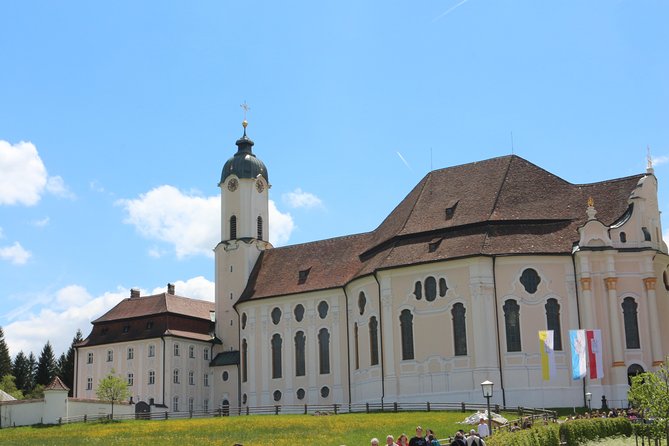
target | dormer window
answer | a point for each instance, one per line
(434, 245)
(302, 278)
(450, 209)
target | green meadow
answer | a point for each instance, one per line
(282, 430)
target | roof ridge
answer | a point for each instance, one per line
(499, 190)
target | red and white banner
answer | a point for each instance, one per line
(594, 338)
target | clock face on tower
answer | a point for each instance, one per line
(260, 186)
(232, 185)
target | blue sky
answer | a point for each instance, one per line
(117, 117)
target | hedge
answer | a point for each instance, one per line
(573, 433)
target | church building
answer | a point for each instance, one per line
(450, 290)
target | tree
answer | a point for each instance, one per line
(30, 377)
(5, 359)
(66, 372)
(650, 395)
(21, 371)
(112, 388)
(8, 385)
(46, 365)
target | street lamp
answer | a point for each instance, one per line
(588, 398)
(486, 387)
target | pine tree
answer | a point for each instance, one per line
(5, 359)
(46, 365)
(21, 371)
(30, 377)
(67, 369)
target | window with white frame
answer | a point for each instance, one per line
(175, 376)
(176, 349)
(131, 353)
(206, 379)
(131, 379)
(205, 405)
(206, 354)
(110, 355)
(90, 358)
(175, 404)
(152, 351)
(191, 378)
(190, 404)
(152, 377)
(89, 384)
(191, 351)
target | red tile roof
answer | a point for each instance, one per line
(503, 205)
(158, 304)
(57, 384)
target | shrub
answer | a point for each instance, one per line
(572, 433)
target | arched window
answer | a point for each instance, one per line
(357, 351)
(373, 341)
(418, 290)
(632, 371)
(530, 280)
(553, 322)
(244, 318)
(324, 351)
(512, 323)
(259, 228)
(245, 358)
(442, 287)
(430, 289)
(233, 227)
(276, 356)
(175, 376)
(406, 329)
(362, 302)
(459, 330)
(631, 323)
(300, 358)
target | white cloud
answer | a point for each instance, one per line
(300, 199)
(15, 254)
(657, 160)
(56, 186)
(24, 177)
(196, 288)
(280, 225)
(190, 223)
(41, 223)
(58, 315)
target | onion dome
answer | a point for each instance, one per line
(244, 163)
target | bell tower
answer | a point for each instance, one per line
(244, 233)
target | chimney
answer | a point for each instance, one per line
(170, 288)
(134, 293)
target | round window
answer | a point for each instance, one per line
(225, 376)
(277, 395)
(300, 394)
(325, 391)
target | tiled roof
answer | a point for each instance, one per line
(157, 304)
(499, 206)
(57, 384)
(226, 358)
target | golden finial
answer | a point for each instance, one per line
(591, 202)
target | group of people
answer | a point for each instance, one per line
(475, 438)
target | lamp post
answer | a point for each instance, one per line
(486, 387)
(588, 398)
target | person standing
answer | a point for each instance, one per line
(483, 428)
(390, 440)
(418, 440)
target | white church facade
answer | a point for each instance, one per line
(450, 290)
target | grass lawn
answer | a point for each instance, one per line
(282, 430)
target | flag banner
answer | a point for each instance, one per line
(546, 338)
(595, 360)
(578, 348)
